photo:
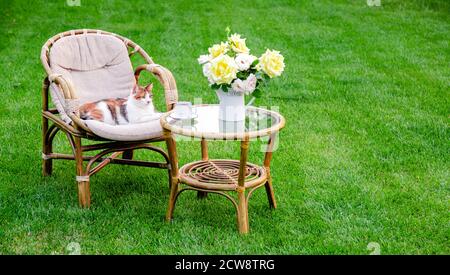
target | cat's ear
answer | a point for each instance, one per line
(149, 88)
(135, 88)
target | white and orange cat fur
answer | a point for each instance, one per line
(137, 108)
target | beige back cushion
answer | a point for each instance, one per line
(98, 66)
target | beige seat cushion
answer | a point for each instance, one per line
(129, 132)
(98, 66)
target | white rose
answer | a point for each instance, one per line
(250, 83)
(244, 61)
(204, 58)
(245, 86)
(207, 72)
(238, 86)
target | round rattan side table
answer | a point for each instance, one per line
(222, 176)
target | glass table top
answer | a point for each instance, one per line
(206, 123)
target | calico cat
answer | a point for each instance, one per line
(137, 108)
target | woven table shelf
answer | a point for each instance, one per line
(234, 179)
(221, 174)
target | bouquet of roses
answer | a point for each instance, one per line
(230, 66)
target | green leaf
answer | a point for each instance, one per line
(242, 75)
(228, 30)
(224, 88)
(215, 86)
(255, 63)
(257, 93)
(259, 75)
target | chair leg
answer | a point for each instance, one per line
(128, 154)
(47, 164)
(84, 193)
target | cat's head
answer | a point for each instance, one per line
(143, 95)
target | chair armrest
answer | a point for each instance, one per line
(66, 86)
(167, 80)
(71, 103)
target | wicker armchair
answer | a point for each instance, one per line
(64, 81)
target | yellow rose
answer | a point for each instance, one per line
(218, 49)
(272, 63)
(238, 44)
(223, 70)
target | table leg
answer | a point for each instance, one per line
(267, 159)
(172, 150)
(204, 144)
(242, 215)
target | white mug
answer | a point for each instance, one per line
(183, 110)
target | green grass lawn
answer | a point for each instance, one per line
(364, 156)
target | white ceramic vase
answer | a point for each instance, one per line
(232, 105)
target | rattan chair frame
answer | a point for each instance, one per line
(110, 151)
